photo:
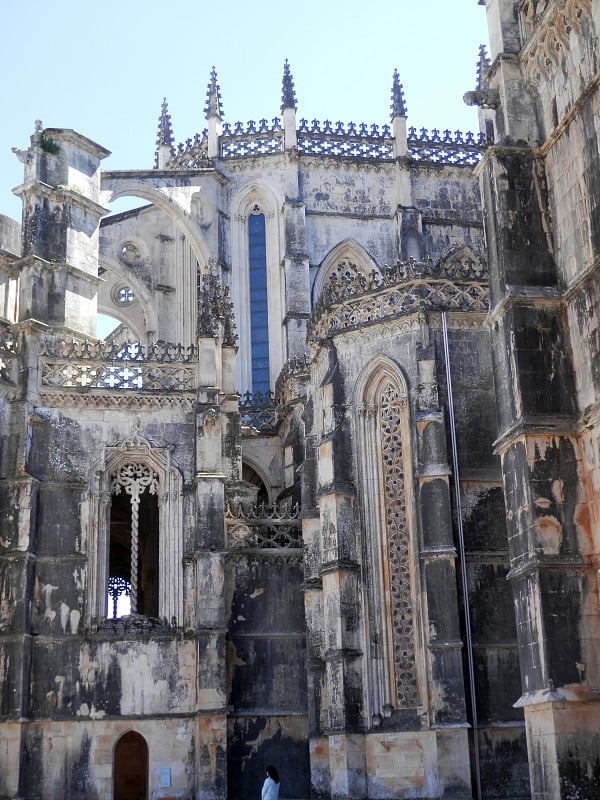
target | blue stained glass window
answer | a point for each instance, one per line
(259, 316)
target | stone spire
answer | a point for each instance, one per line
(213, 97)
(214, 114)
(164, 140)
(398, 104)
(288, 93)
(483, 65)
(398, 109)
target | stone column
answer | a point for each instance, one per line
(438, 554)
(342, 604)
(554, 580)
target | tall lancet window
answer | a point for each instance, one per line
(132, 585)
(259, 312)
(385, 466)
(136, 540)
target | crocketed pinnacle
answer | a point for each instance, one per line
(483, 65)
(213, 97)
(288, 93)
(398, 105)
(165, 132)
(215, 310)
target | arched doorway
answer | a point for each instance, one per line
(130, 774)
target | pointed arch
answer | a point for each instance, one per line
(257, 198)
(139, 318)
(136, 451)
(381, 414)
(253, 472)
(463, 260)
(348, 250)
(115, 186)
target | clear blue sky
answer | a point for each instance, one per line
(103, 68)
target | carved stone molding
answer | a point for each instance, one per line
(132, 401)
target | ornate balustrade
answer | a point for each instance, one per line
(353, 299)
(340, 140)
(262, 526)
(445, 147)
(191, 155)
(258, 411)
(345, 141)
(255, 139)
(89, 365)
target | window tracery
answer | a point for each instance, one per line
(136, 541)
(384, 467)
(256, 288)
(134, 480)
(398, 554)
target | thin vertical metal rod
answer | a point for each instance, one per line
(462, 558)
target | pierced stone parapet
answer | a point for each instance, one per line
(445, 147)
(193, 154)
(263, 526)
(259, 411)
(353, 299)
(108, 350)
(351, 130)
(89, 365)
(255, 139)
(252, 127)
(331, 139)
(137, 376)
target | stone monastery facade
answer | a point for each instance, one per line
(328, 495)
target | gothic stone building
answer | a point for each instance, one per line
(327, 496)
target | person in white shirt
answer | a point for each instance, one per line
(270, 788)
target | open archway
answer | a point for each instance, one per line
(130, 768)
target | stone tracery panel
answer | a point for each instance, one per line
(385, 482)
(136, 466)
(134, 479)
(398, 554)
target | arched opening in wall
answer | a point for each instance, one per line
(250, 475)
(259, 307)
(385, 478)
(133, 555)
(151, 259)
(257, 288)
(130, 770)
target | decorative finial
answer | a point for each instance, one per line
(483, 65)
(213, 97)
(288, 93)
(165, 134)
(398, 105)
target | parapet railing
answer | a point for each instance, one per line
(86, 364)
(258, 411)
(333, 139)
(255, 139)
(263, 526)
(353, 299)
